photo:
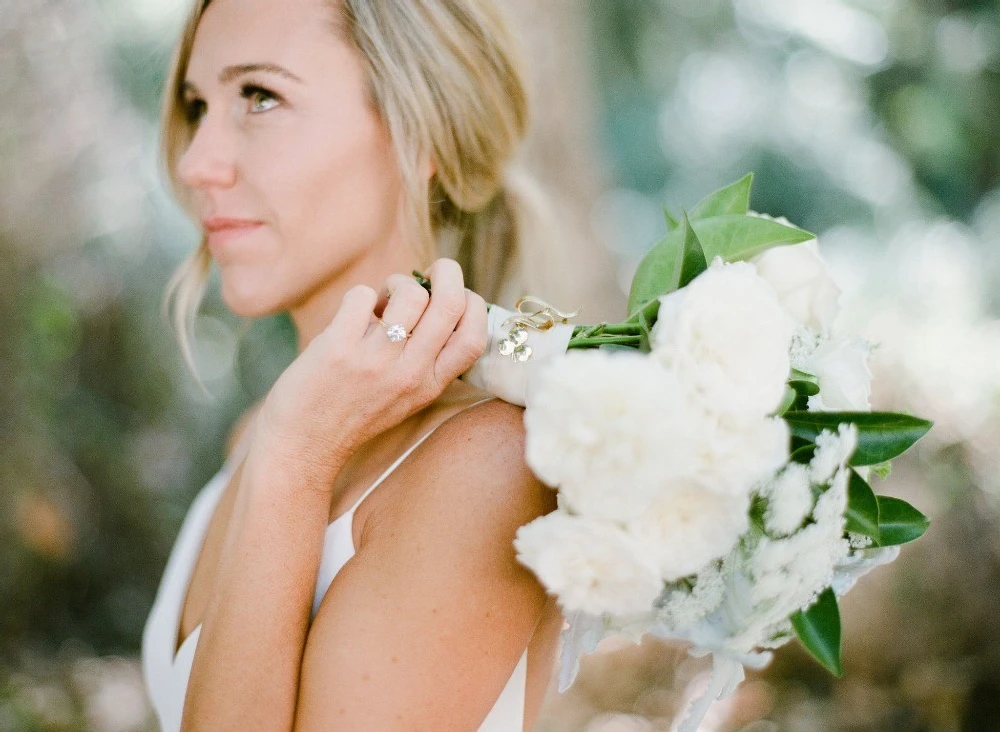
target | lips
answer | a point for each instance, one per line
(223, 231)
(221, 223)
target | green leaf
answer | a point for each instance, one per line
(734, 199)
(862, 512)
(673, 262)
(881, 435)
(672, 222)
(818, 629)
(899, 522)
(736, 237)
(804, 376)
(691, 259)
(656, 271)
(804, 388)
(804, 454)
(615, 347)
(786, 401)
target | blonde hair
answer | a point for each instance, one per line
(445, 76)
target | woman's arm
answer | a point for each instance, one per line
(423, 627)
(246, 667)
(347, 386)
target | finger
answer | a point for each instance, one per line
(444, 310)
(352, 319)
(467, 342)
(392, 282)
(406, 302)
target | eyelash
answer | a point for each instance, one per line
(194, 109)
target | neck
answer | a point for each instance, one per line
(315, 312)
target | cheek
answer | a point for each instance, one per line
(340, 194)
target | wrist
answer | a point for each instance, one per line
(293, 464)
(290, 451)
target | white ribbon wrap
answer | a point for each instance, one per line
(506, 378)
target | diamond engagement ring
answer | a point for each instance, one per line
(394, 332)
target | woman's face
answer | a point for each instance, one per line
(291, 170)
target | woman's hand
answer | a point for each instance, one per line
(351, 382)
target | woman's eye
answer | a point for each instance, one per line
(260, 99)
(194, 110)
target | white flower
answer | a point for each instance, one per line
(684, 530)
(833, 450)
(681, 608)
(728, 338)
(830, 506)
(805, 341)
(591, 565)
(790, 573)
(734, 454)
(802, 280)
(841, 366)
(611, 430)
(789, 500)
(859, 541)
(774, 578)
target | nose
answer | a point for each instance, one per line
(209, 161)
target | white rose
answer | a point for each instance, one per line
(802, 280)
(610, 430)
(727, 337)
(685, 530)
(591, 565)
(845, 381)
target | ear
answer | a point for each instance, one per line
(429, 168)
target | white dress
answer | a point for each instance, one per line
(166, 674)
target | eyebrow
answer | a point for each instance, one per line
(230, 73)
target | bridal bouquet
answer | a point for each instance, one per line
(711, 453)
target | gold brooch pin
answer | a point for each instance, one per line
(534, 313)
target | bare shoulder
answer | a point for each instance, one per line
(434, 604)
(472, 469)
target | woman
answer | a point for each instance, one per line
(328, 147)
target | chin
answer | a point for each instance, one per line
(250, 302)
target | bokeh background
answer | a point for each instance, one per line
(875, 123)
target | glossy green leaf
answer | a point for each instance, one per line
(798, 375)
(675, 260)
(862, 512)
(734, 199)
(803, 454)
(656, 271)
(899, 522)
(881, 435)
(818, 629)
(804, 388)
(736, 238)
(787, 401)
(691, 259)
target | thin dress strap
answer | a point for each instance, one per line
(406, 454)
